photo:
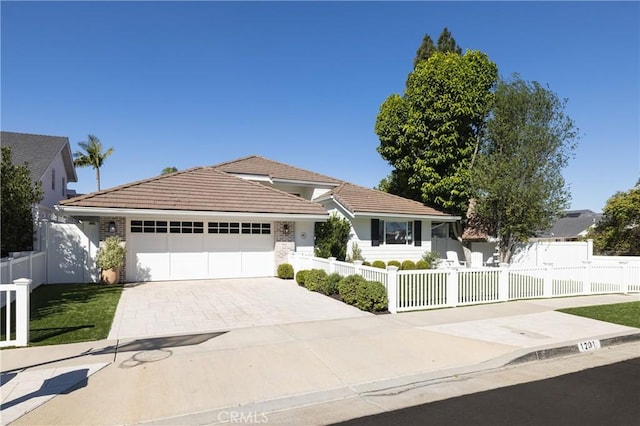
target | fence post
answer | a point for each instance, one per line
(452, 287)
(547, 285)
(392, 288)
(503, 284)
(332, 265)
(10, 262)
(31, 265)
(22, 311)
(356, 265)
(626, 277)
(587, 277)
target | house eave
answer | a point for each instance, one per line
(432, 217)
(110, 211)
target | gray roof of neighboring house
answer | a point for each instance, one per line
(38, 151)
(572, 224)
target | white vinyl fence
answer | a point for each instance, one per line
(437, 288)
(15, 325)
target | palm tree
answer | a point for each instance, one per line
(92, 155)
(168, 170)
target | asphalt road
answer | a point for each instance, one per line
(607, 395)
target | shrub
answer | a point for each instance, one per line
(356, 253)
(332, 237)
(422, 264)
(112, 254)
(301, 276)
(394, 263)
(379, 264)
(366, 263)
(408, 265)
(316, 281)
(347, 288)
(371, 296)
(332, 283)
(432, 258)
(285, 271)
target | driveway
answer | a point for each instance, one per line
(185, 307)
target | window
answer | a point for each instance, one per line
(395, 232)
(238, 228)
(53, 179)
(398, 232)
(440, 230)
(189, 227)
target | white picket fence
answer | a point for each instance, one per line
(15, 327)
(437, 288)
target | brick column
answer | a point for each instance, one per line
(284, 241)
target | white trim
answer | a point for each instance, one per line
(253, 177)
(107, 211)
(332, 198)
(307, 182)
(408, 216)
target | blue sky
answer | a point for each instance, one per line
(197, 83)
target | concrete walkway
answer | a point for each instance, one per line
(178, 307)
(266, 370)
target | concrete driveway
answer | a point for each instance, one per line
(181, 307)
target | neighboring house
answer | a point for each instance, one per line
(572, 226)
(242, 218)
(49, 160)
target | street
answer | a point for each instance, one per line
(607, 395)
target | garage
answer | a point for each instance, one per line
(185, 248)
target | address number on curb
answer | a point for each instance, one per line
(589, 345)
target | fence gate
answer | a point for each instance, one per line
(71, 252)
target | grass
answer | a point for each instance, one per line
(69, 313)
(619, 313)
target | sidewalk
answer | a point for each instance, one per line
(192, 379)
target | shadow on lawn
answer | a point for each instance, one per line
(51, 299)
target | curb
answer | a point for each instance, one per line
(579, 347)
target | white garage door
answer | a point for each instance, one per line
(160, 250)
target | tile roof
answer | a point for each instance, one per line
(258, 165)
(359, 199)
(39, 151)
(198, 189)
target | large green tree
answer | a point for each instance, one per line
(518, 183)
(446, 43)
(17, 196)
(168, 170)
(93, 155)
(431, 133)
(618, 232)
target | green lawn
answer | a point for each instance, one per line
(619, 313)
(69, 313)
